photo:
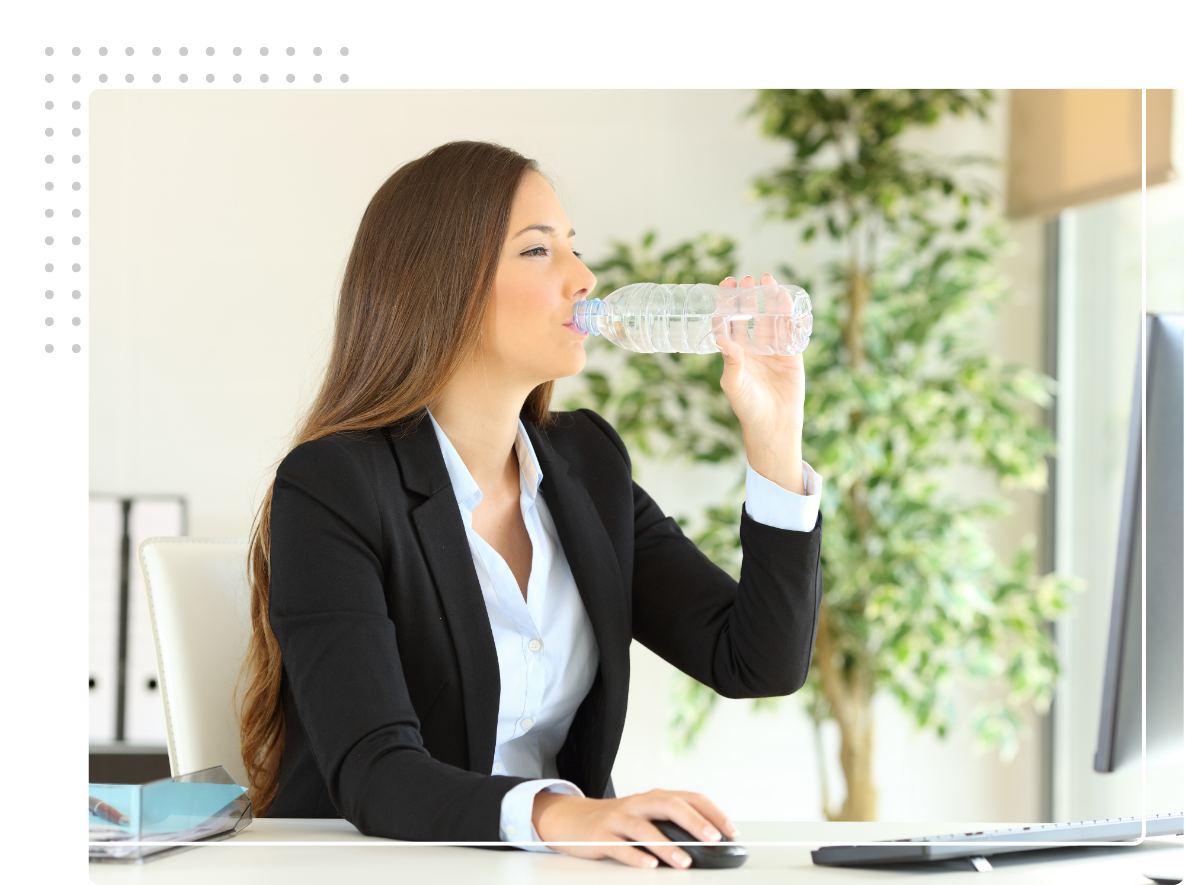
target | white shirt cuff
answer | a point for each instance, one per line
(518, 805)
(768, 503)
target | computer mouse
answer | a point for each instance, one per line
(704, 855)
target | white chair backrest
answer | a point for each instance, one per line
(199, 606)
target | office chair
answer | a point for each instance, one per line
(199, 607)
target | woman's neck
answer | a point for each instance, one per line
(480, 418)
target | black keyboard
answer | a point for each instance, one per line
(925, 848)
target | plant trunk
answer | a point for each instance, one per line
(859, 289)
(848, 681)
(849, 693)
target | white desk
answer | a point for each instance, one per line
(361, 860)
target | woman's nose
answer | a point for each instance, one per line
(587, 281)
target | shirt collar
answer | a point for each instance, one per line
(466, 489)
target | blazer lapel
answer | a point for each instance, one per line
(594, 563)
(446, 549)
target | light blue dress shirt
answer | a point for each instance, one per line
(547, 654)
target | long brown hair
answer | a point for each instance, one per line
(409, 314)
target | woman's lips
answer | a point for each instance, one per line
(572, 326)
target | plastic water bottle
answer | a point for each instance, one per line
(652, 317)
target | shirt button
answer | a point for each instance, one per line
(510, 830)
(534, 645)
(497, 766)
(527, 723)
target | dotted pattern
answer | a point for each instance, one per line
(135, 67)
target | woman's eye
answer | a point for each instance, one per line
(542, 251)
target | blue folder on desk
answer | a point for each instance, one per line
(198, 807)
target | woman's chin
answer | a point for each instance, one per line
(579, 361)
(573, 364)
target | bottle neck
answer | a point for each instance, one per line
(585, 313)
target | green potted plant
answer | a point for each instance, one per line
(898, 388)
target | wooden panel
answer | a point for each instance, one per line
(128, 768)
(1073, 146)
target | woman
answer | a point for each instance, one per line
(447, 576)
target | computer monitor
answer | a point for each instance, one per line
(1119, 722)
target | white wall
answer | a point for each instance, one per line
(222, 221)
(220, 226)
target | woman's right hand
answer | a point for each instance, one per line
(562, 818)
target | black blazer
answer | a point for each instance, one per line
(390, 675)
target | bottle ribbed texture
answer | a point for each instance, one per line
(688, 318)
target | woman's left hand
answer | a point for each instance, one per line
(767, 394)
